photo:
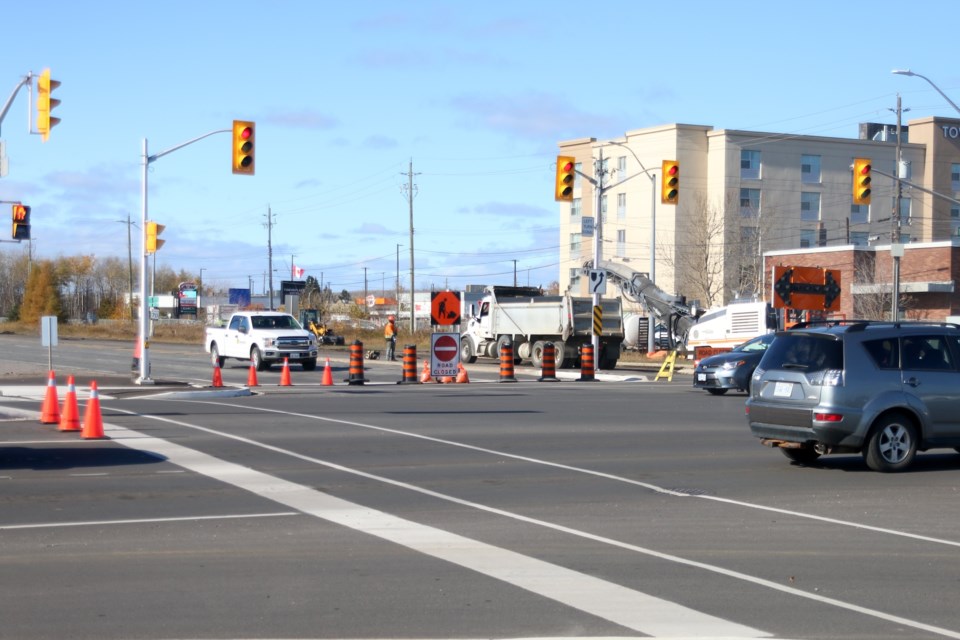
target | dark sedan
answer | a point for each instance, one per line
(733, 369)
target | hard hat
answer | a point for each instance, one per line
(391, 318)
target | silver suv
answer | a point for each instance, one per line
(883, 389)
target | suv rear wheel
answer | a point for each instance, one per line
(892, 444)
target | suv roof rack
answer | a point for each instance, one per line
(860, 325)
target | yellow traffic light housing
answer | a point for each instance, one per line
(862, 169)
(670, 182)
(244, 143)
(566, 172)
(154, 230)
(21, 222)
(45, 104)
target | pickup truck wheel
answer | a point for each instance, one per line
(466, 351)
(309, 365)
(215, 358)
(256, 359)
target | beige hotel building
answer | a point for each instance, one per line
(750, 200)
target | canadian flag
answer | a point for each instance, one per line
(297, 272)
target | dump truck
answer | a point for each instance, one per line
(528, 319)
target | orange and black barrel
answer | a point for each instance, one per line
(586, 364)
(549, 370)
(356, 363)
(506, 362)
(410, 365)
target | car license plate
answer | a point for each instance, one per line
(783, 389)
(701, 377)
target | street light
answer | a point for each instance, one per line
(651, 318)
(200, 292)
(907, 72)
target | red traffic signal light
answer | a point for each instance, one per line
(670, 182)
(244, 142)
(566, 172)
(21, 222)
(862, 169)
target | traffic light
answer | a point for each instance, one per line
(244, 142)
(45, 104)
(21, 222)
(861, 180)
(670, 182)
(566, 166)
(154, 230)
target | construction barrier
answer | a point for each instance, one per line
(217, 376)
(70, 416)
(462, 377)
(252, 376)
(285, 374)
(327, 379)
(549, 369)
(586, 364)
(356, 364)
(409, 365)
(50, 409)
(506, 363)
(92, 420)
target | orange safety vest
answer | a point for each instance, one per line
(389, 331)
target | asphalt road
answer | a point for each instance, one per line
(488, 510)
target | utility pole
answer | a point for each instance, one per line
(270, 252)
(896, 247)
(411, 190)
(365, 291)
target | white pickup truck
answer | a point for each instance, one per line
(263, 338)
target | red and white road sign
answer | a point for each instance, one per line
(444, 354)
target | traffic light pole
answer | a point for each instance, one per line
(144, 377)
(27, 79)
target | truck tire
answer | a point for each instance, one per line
(309, 364)
(502, 340)
(560, 355)
(215, 358)
(466, 351)
(256, 359)
(608, 357)
(536, 354)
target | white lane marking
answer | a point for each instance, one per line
(601, 474)
(627, 607)
(97, 523)
(707, 567)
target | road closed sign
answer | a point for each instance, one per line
(444, 354)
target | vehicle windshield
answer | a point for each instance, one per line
(275, 322)
(759, 343)
(803, 351)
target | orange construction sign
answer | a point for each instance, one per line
(445, 308)
(806, 288)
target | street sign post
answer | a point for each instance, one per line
(444, 354)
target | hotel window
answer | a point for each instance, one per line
(955, 220)
(807, 238)
(574, 243)
(749, 203)
(809, 206)
(860, 238)
(574, 275)
(576, 207)
(621, 242)
(810, 169)
(905, 211)
(955, 176)
(749, 165)
(859, 213)
(621, 168)
(621, 206)
(603, 208)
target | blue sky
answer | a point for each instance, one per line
(477, 95)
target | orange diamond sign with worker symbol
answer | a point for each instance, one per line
(445, 308)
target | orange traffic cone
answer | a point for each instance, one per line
(462, 376)
(252, 377)
(285, 374)
(217, 377)
(92, 420)
(327, 380)
(425, 374)
(70, 416)
(50, 410)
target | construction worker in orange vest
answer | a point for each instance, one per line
(390, 335)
